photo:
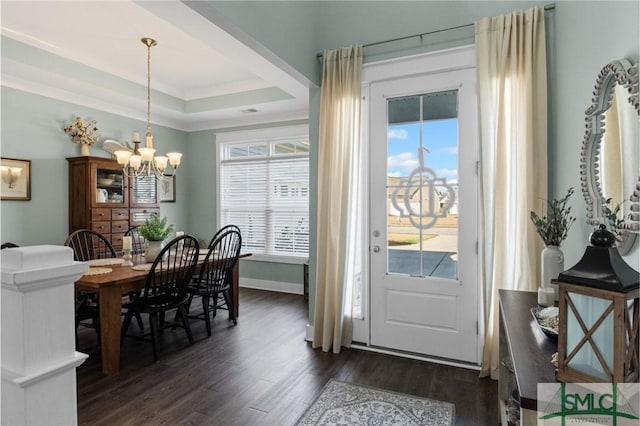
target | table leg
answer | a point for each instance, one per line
(110, 301)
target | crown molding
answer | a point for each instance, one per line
(52, 85)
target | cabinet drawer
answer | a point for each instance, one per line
(116, 241)
(100, 214)
(101, 227)
(119, 214)
(119, 226)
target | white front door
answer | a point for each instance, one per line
(424, 215)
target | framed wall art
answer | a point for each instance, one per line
(168, 189)
(16, 179)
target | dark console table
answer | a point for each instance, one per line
(525, 355)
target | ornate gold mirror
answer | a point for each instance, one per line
(610, 170)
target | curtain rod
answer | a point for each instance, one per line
(547, 7)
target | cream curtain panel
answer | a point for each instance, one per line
(338, 179)
(512, 103)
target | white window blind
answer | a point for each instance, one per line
(144, 190)
(264, 190)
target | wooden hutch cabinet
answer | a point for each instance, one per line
(102, 198)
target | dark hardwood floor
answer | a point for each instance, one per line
(260, 372)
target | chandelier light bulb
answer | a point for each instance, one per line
(122, 157)
(161, 162)
(147, 154)
(135, 161)
(174, 159)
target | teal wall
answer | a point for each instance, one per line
(201, 174)
(272, 271)
(289, 29)
(32, 129)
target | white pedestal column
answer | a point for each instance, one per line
(38, 335)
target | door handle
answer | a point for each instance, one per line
(376, 249)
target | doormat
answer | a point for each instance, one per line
(343, 403)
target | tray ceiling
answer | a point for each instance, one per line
(202, 77)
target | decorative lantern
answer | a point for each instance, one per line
(599, 298)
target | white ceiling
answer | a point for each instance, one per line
(210, 76)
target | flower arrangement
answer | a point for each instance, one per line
(155, 229)
(554, 226)
(83, 134)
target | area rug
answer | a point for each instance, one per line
(343, 403)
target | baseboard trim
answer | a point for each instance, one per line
(279, 286)
(309, 336)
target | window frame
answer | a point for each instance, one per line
(260, 135)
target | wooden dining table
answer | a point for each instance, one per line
(110, 287)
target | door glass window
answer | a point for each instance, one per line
(422, 184)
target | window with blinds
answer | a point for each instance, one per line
(144, 190)
(264, 189)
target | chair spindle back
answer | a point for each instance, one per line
(88, 244)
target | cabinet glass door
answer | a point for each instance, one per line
(109, 186)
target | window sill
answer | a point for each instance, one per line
(277, 259)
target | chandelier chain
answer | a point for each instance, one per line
(148, 87)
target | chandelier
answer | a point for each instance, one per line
(143, 161)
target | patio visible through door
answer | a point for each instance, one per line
(424, 206)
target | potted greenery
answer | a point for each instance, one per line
(553, 229)
(554, 226)
(154, 230)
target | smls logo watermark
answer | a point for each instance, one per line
(615, 404)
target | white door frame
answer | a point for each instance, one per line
(433, 62)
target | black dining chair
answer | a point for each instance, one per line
(165, 289)
(214, 282)
(87, 245)
(137, 240)
(221, 231)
